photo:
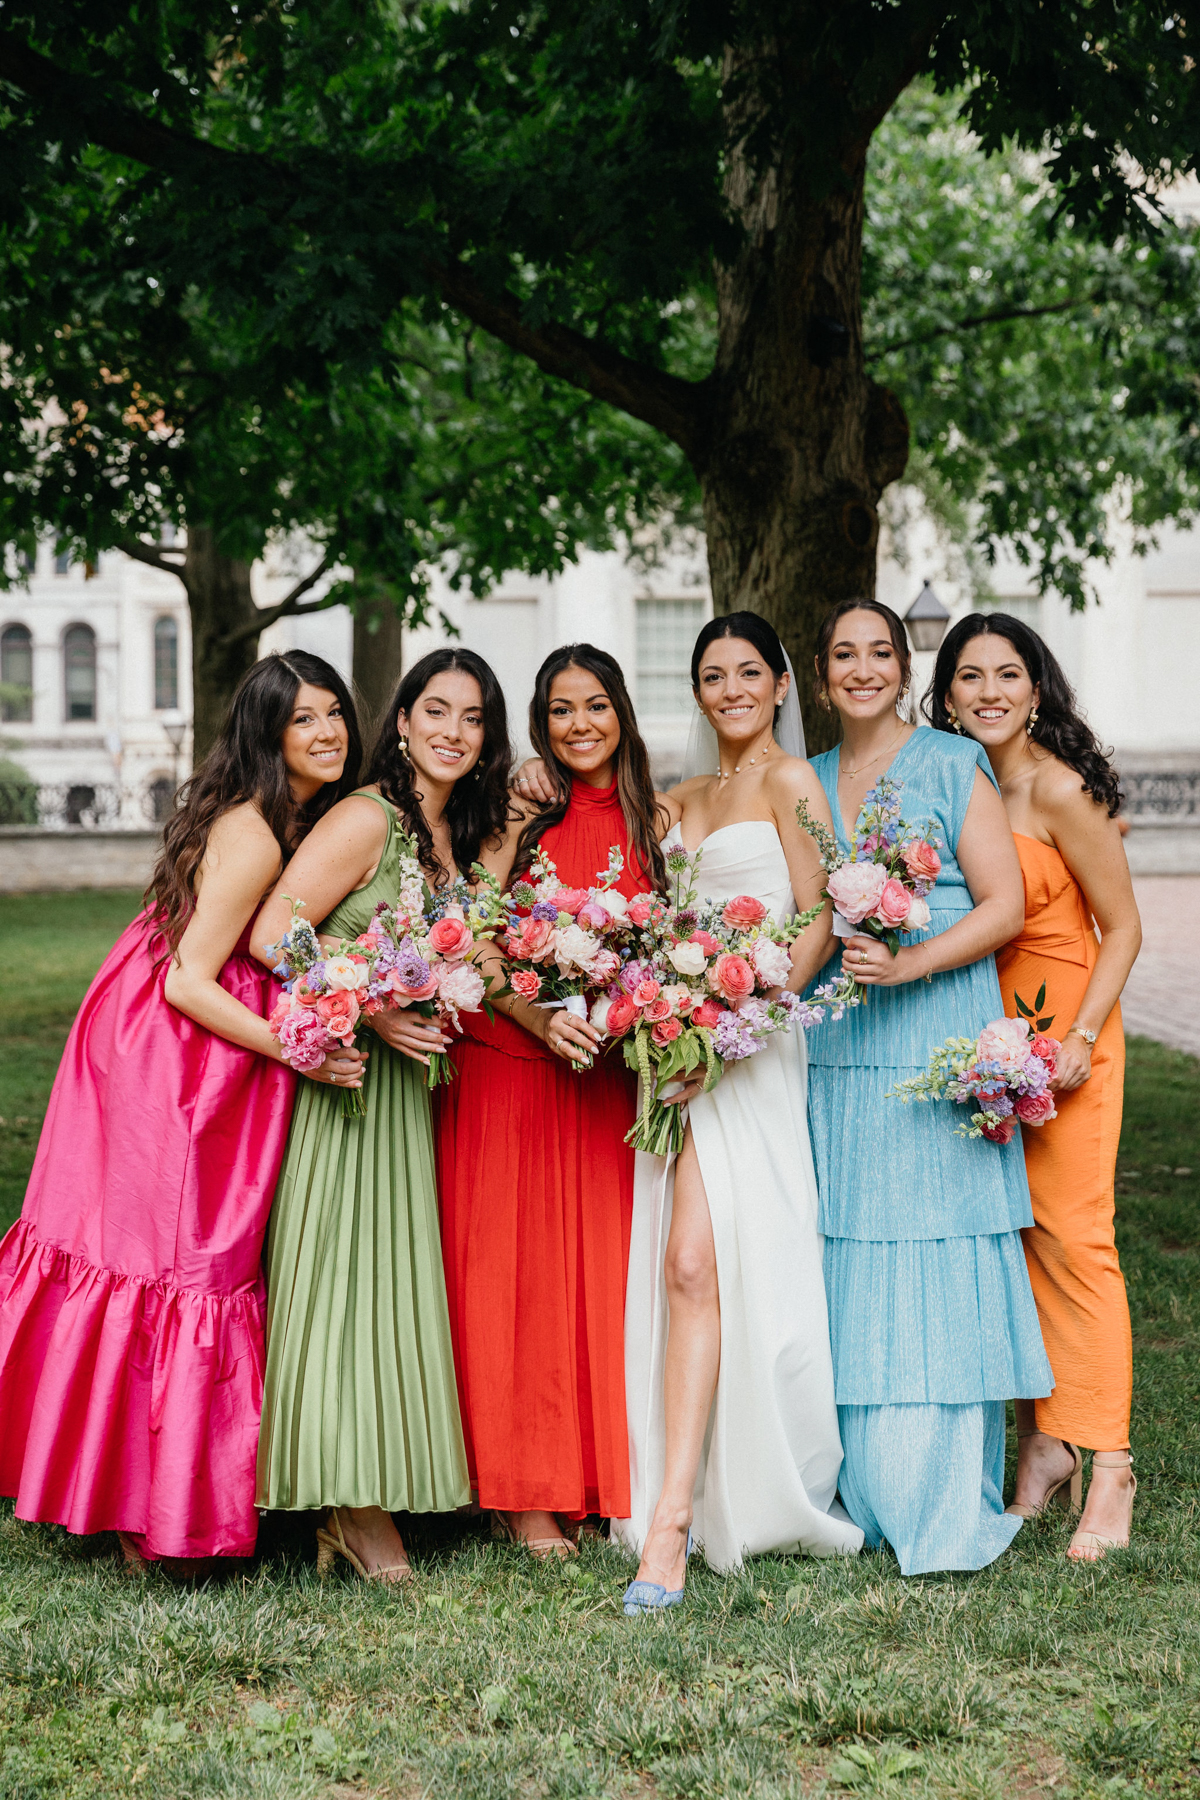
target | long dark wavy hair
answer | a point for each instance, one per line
(477, 810)
(1060, 728)
(246, 763)
(896, 631)
(754, 629)
(635, 788)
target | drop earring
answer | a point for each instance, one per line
(823, 700)
(404, 748)
(1030, 722)
(953, 718)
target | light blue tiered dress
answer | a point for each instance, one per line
(931, 1315)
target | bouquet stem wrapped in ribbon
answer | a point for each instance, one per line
(879, 888)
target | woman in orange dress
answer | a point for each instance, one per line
(997, 682)
(534, 1176)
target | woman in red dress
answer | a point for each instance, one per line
(534, 1175)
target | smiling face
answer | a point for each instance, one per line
(864, 675)
(991, 691)
(584, 729)
(739, 691)
(315, 741)
(445, 727)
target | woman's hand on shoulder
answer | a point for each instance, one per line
(533, 784)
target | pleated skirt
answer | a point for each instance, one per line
(360, 1405)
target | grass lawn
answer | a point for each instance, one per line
(496, 1677)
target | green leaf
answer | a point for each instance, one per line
(1041, 998)
(1026, 1012)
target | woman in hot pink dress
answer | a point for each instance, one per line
(131, 1291)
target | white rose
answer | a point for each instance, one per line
(772, 964)
(599, 1013)
(687, 959)
(574, 948)
(615, 905)
(918, 915)
(342, 972)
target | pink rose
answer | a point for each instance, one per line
(279, 1013)
(621, 1015)
(1005, 1042)
(639, 912)
(569, 900)
(666, 1031)
(339, 1012)
(732, 976)
(450, 938)
(1036, 1109)
(368, 940)
(921, 860)
(706, 941)
(593, 915)
(1045, 1047)
(706, 1014)
(855, 889)
(1000, 1133)
(646, 991)
(658, 1009)
(893, 905)
(534, 942)
(526, 982)
(743, 911)
(304, 1039)
(605, 964)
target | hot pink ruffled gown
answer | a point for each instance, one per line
(132, 1300)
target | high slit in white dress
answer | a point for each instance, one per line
(769, 1469)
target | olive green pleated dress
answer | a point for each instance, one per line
(360, 1406)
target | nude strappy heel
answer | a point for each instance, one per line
(542, 1548)
(332, 1544)
(1090, 1546)
(1067, 1493)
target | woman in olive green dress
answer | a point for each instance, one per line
(360, 1409)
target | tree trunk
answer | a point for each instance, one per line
(378, 647)
(220, 602)
(802, 441)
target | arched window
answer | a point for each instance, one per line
(166, 665)
(16, 675)
(79, 670)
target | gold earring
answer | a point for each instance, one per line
(823, 700)
(1030, 722)
(953, 718)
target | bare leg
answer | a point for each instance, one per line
(693, 1362)
(1041, 1460)
(1109, 1506)
(371, 1534)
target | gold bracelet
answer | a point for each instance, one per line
(929, 947)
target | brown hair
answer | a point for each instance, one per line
(635, 788)
(896, 632)
(246, 763)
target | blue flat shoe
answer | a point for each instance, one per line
(643, 1597)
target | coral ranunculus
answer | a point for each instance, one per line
(706, 1014)
(534, 941)
(743, 911)
(666, 1031)
(706, 941)
(921, 860)
(732, 976)
(339, 1012)
(646, 991)
(658, 1009)
(621, 1014)
(450, 938)
(1036, 1109)
(526, 982)
(639, 913)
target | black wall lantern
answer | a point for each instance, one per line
(927, 620)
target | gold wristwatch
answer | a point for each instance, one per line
(1089, 1037)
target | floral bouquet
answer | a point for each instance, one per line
(572, 941)
(880, 887)
(699, 989)
(413, 954)
(1005, 1072)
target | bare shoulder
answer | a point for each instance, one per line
(668, 810)
(356, 819)
(242, 834)
(1059, 795)
(791, 779)
(683, 791)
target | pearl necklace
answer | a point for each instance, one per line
(728, 774)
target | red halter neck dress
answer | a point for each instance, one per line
(536, 1189)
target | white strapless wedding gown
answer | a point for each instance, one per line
(769, 1470)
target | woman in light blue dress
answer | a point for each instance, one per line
(932, 1318)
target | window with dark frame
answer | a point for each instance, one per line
(16, 675)
(79, 672)
(166, 665)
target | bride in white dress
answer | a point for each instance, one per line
(729, 1380)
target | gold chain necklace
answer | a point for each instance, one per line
(873, 759)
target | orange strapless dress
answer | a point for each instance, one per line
(1071, 1249)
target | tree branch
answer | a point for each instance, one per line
(999, 317)
(153, 559)
(287, 608)
(672, 405)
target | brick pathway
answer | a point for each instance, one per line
(1161, 1000)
